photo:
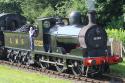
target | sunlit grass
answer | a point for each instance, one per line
(11, 75)
(119, 69)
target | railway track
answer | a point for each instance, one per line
(77, 79)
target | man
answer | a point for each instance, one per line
(31, 36)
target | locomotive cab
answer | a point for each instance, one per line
(47, 24)
(44, 26)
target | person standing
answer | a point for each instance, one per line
(31, 36)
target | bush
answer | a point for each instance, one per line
(116, 23)
(67, 7)
(118, 34)
(48, 11)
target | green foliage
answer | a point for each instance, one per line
(48, 11)
(62, 8)
(119, 69)
(116, 23)
(107, 10)
(72, 5)
(118, 34)
(30, 10)
(9, 6)
(124, 12)
(124, 8)
(79, 5)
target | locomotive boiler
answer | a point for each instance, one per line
(91, 38)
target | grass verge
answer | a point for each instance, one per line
(11, 75)
(119, 69)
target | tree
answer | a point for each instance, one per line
(109, 10)
(65, 7)
(10, 6)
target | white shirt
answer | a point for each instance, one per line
(31, 32)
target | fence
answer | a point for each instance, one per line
(116, 47)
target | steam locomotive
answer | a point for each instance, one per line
(64, 43)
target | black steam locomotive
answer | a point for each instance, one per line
(61, 42)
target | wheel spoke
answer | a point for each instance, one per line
(42, 64)
(60, 65)
(77, 70)
(11, 56)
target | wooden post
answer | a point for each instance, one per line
(111, 41)
(121, 49)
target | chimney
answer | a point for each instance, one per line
(92, 17)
